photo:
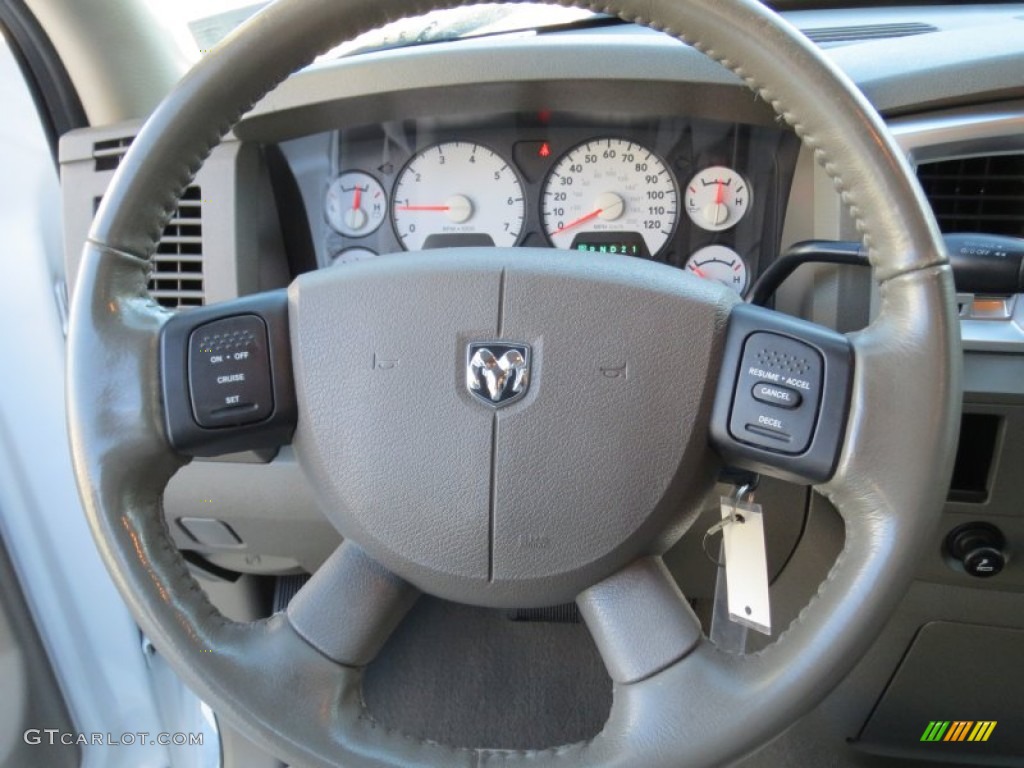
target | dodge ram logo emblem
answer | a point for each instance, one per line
(497, 373)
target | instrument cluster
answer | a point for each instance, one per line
(702, 195)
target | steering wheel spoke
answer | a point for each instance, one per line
(783, 395)
(640, 621)
(226, 376)
(351, 606)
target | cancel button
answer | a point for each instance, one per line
(776, 394)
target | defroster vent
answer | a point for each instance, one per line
(977, 194)
(862, 32)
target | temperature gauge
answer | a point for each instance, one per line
(717, 198)
(721, 264)
(356, 204)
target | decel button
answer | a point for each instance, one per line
(229, 372)
(776, 394)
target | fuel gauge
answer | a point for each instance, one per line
(355, 204)
(721, 264)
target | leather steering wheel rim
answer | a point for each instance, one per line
(307, 708)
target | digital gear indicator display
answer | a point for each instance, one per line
(622, 243)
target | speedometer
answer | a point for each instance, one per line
(457, 194)
(612, 196)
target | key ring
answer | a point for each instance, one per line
(743, 493)
(745, 490)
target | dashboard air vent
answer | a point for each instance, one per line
(977, 194)
(856, 34)
(176, 278)
(107, 154)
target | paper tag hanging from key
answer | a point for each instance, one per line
(746, 564)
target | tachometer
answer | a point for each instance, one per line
(612, 196)
(457, 193)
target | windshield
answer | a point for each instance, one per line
(209, 21)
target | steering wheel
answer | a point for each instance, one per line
(526, 476)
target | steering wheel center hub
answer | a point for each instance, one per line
(506, 427)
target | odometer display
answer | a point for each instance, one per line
(610, 186)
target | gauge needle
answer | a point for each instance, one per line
(356, 217)
(581, 220)
(458, 207)
(717, 212)
(698, 271)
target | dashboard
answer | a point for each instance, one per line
(703, 195)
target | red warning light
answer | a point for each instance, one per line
(545, 150)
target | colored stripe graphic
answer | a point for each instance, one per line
(958, 730)
(982, 730)
(935, 730)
